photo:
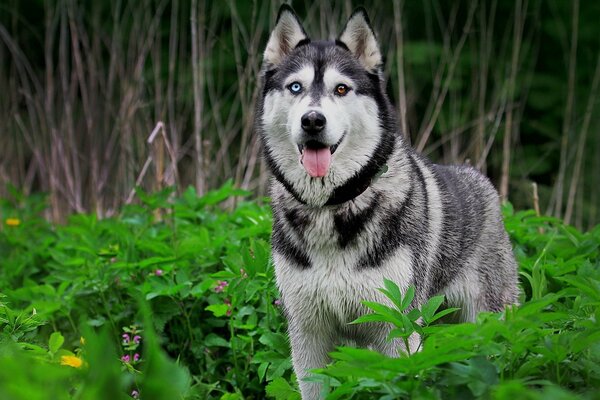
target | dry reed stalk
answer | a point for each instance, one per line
(536, 199)
(244, 42)
(510, 125)
(592, 101)
(198, 17)
(536, 204)
(594, 187)
(398, 30)
(485, 52)
(568, 116)
(424, 134)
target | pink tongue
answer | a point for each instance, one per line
(316, 161)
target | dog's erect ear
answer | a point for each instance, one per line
(359, 38)
(286, 35)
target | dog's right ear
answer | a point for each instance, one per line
(286, 35)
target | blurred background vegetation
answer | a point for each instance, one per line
(98, 97)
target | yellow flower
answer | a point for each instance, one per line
(13, 221)
(71, 361)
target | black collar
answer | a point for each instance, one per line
(350, 190)
(353, 188)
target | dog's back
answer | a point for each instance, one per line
(475, 256)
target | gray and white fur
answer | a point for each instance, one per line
(338, 234)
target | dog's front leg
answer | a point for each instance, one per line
(309, 351)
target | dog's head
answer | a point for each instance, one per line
(324, 118)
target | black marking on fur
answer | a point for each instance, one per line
(269, 83)
(317, 87)
(461, 225)
(406, 225)
(397, 230)
(349, 225)
(341, 44)
(445, 268)
(356, 185)
(360, 182)
(283, 245)
(419, 259)
(279, 175)
(303, 42)
(493, 296)
(421, 179)
(297, 220)
(371, 86)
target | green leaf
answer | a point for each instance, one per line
(218, 310)
(280, 389)
(156, 261)
(275, 341)
(213, 340)
(199, 289)
(371, 318)
(392, 291)
(408, 298)
(430, 307)
(267, 356)
(55, 342)
(393, 316)
(262, 370)
(443, 313)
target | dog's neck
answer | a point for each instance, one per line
(352, 189)
(349, 191)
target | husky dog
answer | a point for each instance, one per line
(354, 204)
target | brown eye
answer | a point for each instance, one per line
(342, 90)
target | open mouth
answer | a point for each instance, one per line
(315, 157)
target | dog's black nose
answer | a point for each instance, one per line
(313, 122)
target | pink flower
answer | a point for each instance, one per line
(136, 357)
(158, 272)
(135, 394)
(277, 302)
(220, 286)
(137, 339)
(125, 358)
(228, 302)
(126, 338)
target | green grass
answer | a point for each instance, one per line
(195, 285)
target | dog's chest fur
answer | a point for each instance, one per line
(326, 258)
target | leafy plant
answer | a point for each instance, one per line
(193, 279)
(406, 322)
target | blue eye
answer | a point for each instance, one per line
(295, 87)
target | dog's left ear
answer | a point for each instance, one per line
(359, 38)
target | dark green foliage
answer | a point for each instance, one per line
(197, 279)
(195, 284)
